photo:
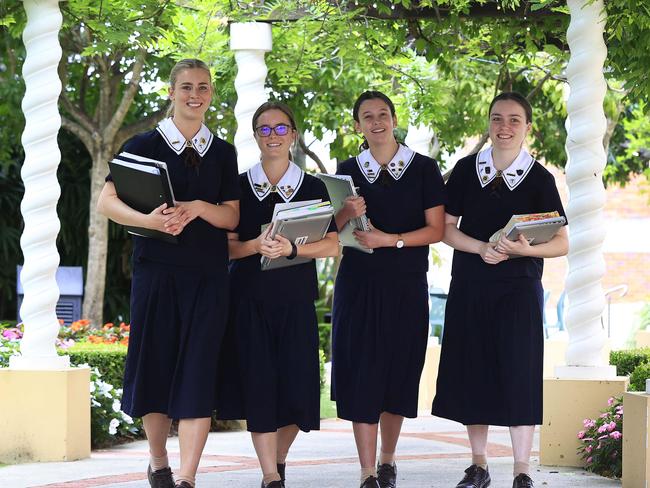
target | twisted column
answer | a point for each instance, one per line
(586, 161)
(42, 191)
(250, 41)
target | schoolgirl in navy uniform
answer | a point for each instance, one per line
(179, 294)
(380, 314)
(273, 327)
(492, 352)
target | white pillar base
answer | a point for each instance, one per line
(35, 363)
(585, 372)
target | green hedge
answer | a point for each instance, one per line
(634, 363)
(107, 358)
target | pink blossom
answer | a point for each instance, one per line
(588, 449)
(617, 417)
(603, 415)
(602, 428)
(610, 402)
(611, 426)
(581, 434)
(616, 435)
(12, 334)
(588, 423)
(589, 459)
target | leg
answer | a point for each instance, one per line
(522, 442)
(390, 427)
(365, 437)
(156, 426)
(478, 435)
(286, 436)
(266, 448)
(192, 434)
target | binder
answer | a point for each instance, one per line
(300, 225)
(536, 228)
(143, 184)
(339, 188)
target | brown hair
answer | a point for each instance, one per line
(274, 105)
(515, 97)
(182, 65)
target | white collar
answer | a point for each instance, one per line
(512, 175)
(396, 167)
(287, 187)
(177, 142)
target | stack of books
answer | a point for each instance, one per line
(536, 227)
(143, 184)
(300, 223)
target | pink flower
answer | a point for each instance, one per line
(610, 401)
(617, 417)
(616, 435)
(602, 428)
(12, 334)
(611, 426)
(581, 434)
(589, 459)
(588, 449)
(603, 415)
(588, 423)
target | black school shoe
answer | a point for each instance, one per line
(387, 475)
(281, 469)
(161, 478)
(273, 484)
(183, 484)
(475, 477)
(370, 482)
(522, 481)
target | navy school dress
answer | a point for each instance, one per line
(381, 314)
(179, 292)
(270, 374)
(493, 349)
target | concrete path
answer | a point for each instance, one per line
(432, 453)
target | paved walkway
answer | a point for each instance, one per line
(431, 453)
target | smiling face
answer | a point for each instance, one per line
(376, 122)
(191, 94)
(275, 146)
(508, 125)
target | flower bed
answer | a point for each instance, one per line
(602, 441)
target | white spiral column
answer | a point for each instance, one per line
(586, 127)
(42, 191)
(250, 41)
(419, 138)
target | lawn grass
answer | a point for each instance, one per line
(327, 406)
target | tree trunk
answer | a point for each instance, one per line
(97, 241)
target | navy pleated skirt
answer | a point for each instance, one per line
(380, 329)
(178, 317)
(270, 373)
(492, 358)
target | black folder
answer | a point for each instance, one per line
(143, 184)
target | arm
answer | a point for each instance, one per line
(457, 239)
(274, 248)
(223, 216)
(162, 218)
(326, 247)
(431, 232)
(557, 246)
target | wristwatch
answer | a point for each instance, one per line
(400, 242)
(294, 251)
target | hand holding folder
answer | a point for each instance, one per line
(143, 184)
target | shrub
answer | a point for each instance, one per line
(638, 377)
(325, 340)
(321, 361)
(602, 441)
(627, 361)
(107, 358)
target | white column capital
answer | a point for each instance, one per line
(251, 36)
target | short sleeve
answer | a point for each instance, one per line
(455, 190)
(549, 196)
(230, 189)
(433, 188)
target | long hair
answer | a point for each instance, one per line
(182, 65)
